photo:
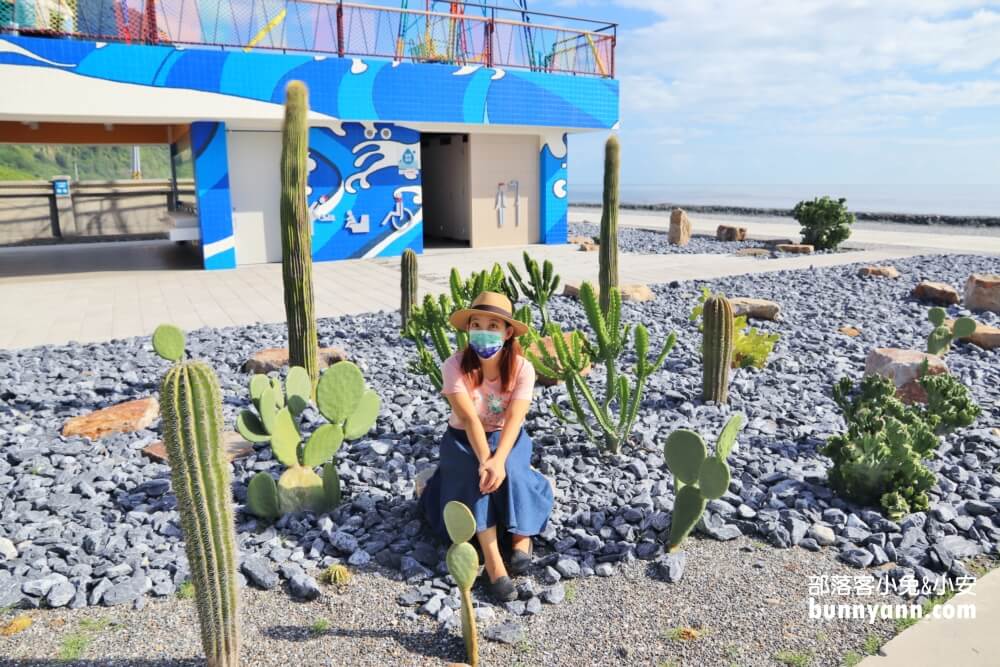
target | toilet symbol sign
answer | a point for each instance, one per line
(409, 164)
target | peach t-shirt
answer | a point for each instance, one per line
(491, 403)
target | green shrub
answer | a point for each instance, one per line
(826, 222)
(879, 459)
(751, 346)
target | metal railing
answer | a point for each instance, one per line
(465, 34)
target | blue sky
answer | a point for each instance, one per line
(800, 91)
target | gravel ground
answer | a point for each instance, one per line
(94, 523)
(747, 602)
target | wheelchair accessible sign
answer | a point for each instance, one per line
(409, 164)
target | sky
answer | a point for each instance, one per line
(800, 91)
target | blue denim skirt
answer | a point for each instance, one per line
(521, 505)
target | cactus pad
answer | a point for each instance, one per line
(331, 485)
(684, 452)
(258, 385)
(285, 437)
(322, 445)
(463, 564)
(250, 427)
(459, 521)
(727, 439)
(339, 391)
(713, 478)
(936, 315)
(300, 489)
(262, 497)
(299, 389)
(268, 409)
(363, 418)
(964, 327)
(168, 342)
(688, 507)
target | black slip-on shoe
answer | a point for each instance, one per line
(520, 561)
(503, 589)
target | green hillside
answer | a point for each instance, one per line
(20, 162)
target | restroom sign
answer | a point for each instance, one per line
(409, 164)
(60, 187)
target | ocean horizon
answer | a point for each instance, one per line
(952, 200)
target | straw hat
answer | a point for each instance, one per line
(490, 304)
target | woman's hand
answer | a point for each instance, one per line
(492, 473)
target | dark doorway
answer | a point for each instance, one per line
(447, 206)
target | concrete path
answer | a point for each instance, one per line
(97, 292)
(965, 642)
(971, 240)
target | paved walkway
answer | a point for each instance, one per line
(961, 642)
(54, 295)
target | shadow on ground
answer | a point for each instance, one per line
(442, 644)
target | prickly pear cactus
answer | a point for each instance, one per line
(698, 477)
(463, 565)
(342, 398)
(940, 339)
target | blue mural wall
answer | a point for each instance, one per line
(553, 204)
(211, 178)
(364, 191)
(345, 88)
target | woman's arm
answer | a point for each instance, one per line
(517, 410)
(465, 410)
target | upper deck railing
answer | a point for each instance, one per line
(465, 34)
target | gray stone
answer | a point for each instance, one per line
(303, 587)
(671, 566)
(259, 573)
(432, 606)
(550, 575)
(823, 535)
(604, 569)
(857, 557)
(126, 591)
(60, 595)
(7, 549)
(554, 594)
(809, 544)
(568, 568)
(40, 587)
(507, 632)
(533, 606)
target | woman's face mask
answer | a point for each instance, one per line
(485, 343)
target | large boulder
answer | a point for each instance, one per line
(982, 292)
(941, 294)
(874, 271)
(636, 292)
(730, 233)
(276, 358)
(903, 368)
(546, 342)
(680, 227)
(755, 309)
(233, 443)
(753, 252)
(122, 418)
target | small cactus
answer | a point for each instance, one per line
(342, 399)
(608, 250)
(337, 575)
(463, 565)
(407, 285)
(717, 349)
(542, 284)
(940, 340)
(191, 409)
(698, 477)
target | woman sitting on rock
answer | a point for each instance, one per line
(485, 453)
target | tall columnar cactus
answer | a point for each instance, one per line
(542, 284)
(940, 340)
(191, 409)
(698, 477)
(296, 234)
(608, 255)
(463, 565)
(572, 356)
(342, 399)
(717, 349)
(407, 285)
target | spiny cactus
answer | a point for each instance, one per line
(541, 285)
(407, 285)
(191, 409)
(342, 399)
(717, 349)
(296, 234)
(463, 565)
(698, 477)
(940, 340)
(573, 356)
(337, 575)
(608, 251)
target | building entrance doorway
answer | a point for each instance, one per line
(445, 189)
